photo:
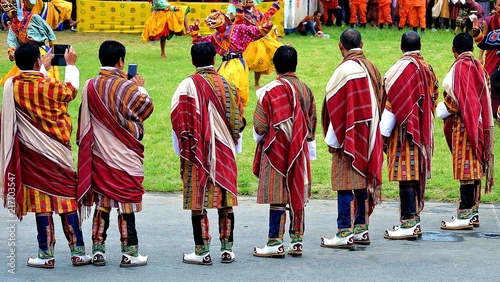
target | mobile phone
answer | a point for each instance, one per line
(59, 50)
(132, 70)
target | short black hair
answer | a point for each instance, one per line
(410, 41)
(350, 39)
(26, 56)
(463, 42)
(110, 53)
(202, 54)
(316, 13)
(285, 59)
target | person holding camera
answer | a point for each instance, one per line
(37, 171)
(112, 116)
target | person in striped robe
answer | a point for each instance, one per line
(37, 172)
(408, 125)
(112, 116)
(467, 107)
(206, 116)
(27, 27)
(351, 112)
(284, 129)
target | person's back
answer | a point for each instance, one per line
(408, 125)
(112, 116)
(468, 127)
(351, 115)
(36, 154)
(206, 115)
(282, 156)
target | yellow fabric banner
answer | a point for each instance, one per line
(131, 16)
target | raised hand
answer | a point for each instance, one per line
(475, 23)
(195, 26)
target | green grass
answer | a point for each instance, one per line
(318, 58)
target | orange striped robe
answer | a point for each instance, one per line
(129, 110)
(46, 101)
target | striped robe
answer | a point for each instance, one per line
(36, 162)
(206, 116)
(112, 116)
(275, 157)
(352, 105)
(412, 91)
(467, 97)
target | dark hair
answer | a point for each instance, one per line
(26, 56)
(350, 39)
(110, 53)
(463, 42)
(316, 13)
(202, 54)
(285, 59)
(410, 41)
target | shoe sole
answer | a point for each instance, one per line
(132, 265)
(408, 237)
(99, 263)
(295, 254)
(339, 246)
(81, 263)
(40, 266)
(362, 242)
(227, 261)
(467, 227)
(196, 262)
(269, 255)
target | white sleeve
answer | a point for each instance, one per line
(442, 111)
(175, 142)
(387, 123)
(311, 145)
(256, 136)
(331, 138)
(72, 75)
(239, 146)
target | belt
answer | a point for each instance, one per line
(230, 57)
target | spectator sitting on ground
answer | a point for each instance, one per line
(311, 24)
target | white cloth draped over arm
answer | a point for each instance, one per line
(239, 146)
(256, 136)
(175, 142)
(387, 123)
(442, 111)
(72, 75)
(311, 145)
(43, 70)
(331, 138)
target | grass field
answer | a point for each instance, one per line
(317, 60)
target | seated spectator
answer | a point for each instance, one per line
(5, 21)
(311, 24)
